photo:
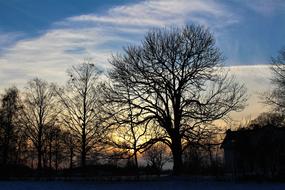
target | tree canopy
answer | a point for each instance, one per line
(175, 79)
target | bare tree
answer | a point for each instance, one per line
(69, 142)
(57, 147)
(203, 150)
(10, 130)
(130, 138)
(175, 79)
(276, 98)
(53, 146)
(79, 101)
(39, 111)
(157, 156)
(128, 134)
(267, 119)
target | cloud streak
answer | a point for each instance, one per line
(95, 36)
(265, 7)
(157, 14)
(257, 81)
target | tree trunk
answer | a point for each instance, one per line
(50, 155)
(6, 143)
(39, 144)
(83, 151)
(39, 158)
(136, 159)
(177, 155)
(5, 153)
(56, 160)
(71, 159)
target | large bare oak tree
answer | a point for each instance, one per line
(175, 79)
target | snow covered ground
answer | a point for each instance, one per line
(147, 185)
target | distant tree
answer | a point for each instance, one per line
(193, 158)
(276, 98)
(20, 155)
(70, 143)
(175, 79)
(10, 130)
(48, 146)
(58, 148)
(128, 134)
(157, 156)
(267, 119)
(53, 146)
(202, 152)
(39, 111)
(80, 107)
(203, 155)
(128, 139)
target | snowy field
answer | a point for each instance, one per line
(146, 185)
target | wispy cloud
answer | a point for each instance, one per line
(97, 36)
(257, 81)
(8, 39)
(265, 7)
(161, 13)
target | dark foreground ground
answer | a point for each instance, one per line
(140, 185)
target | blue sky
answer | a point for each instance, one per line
(43, 38)
(34, 16)
(30, 18)
(247, 31)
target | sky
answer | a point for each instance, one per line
(44, 38)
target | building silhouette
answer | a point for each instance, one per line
(258, 151)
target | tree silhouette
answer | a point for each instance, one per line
(53, 146)
(80, 108)
(10, 131)
(128, 133)
(157, 156)
(175, 79)
(39, 111)
(276, 97)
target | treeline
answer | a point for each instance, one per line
(50, 127)
(157, 103)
